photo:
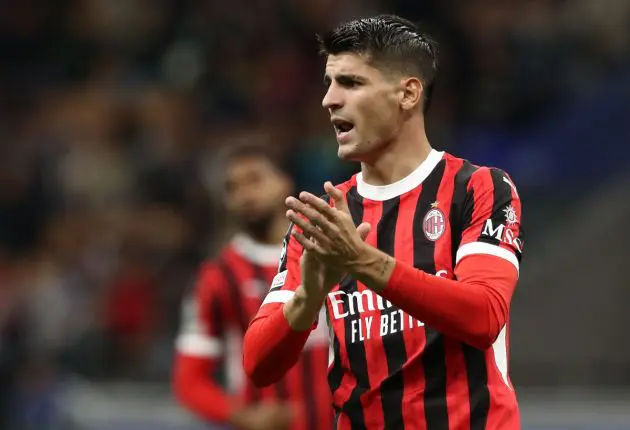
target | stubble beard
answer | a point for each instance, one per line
(259, 228)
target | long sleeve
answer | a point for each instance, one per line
(472, 309)
(194, 388)
(271, 347)
(199, 347)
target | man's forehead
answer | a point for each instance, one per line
(346, 64)
(250, 161)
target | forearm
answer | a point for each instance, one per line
(374, 269)
(301, 312)
(271, 346)
(195, 390)
(472, 309)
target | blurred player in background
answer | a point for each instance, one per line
(227, 294)
(416, 258)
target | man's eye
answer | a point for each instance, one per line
(349, 83)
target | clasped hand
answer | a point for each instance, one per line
(325, 232)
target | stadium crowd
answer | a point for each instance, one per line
(111, 113)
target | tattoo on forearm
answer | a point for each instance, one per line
(384, 266)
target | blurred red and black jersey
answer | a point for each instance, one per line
(227, 295)
(389, 370)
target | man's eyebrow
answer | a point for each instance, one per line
(348, 77)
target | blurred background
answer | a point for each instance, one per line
(111, 112)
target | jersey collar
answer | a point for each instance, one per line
(256, 252)
(406, 184)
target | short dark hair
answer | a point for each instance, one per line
(389, 42)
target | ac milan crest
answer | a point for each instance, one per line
(434, 223)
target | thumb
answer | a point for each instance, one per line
(336, 196)
(364, 229)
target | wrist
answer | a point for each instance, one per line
(309, 300)
(302, 310)
(373, 268)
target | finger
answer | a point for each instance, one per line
(313, 214)
(318, 204)
(337, 197)
(308, 229)
(364, 230)
(308, 244)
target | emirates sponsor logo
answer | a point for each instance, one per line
(377, 317)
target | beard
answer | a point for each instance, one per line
(259, 227)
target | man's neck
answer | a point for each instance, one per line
(400, 158)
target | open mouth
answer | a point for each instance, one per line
(342, 127)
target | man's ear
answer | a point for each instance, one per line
(411, 94)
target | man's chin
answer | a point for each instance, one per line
(348, 152)
(257, 226)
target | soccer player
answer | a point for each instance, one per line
(227, 294)
(415, 258)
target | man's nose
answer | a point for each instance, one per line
(332, 99)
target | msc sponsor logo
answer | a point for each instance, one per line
(503, 234)
(510, 215)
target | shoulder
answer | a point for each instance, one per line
(208, 269)
(211, 272)
(493, 180)
(471, 175)
(209, 278)
(202, 288)
(461, 168)
(348, 188)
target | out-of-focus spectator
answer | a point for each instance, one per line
(112, 113)
(130, 313)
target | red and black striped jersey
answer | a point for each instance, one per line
(227, 294)
(389, 370)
